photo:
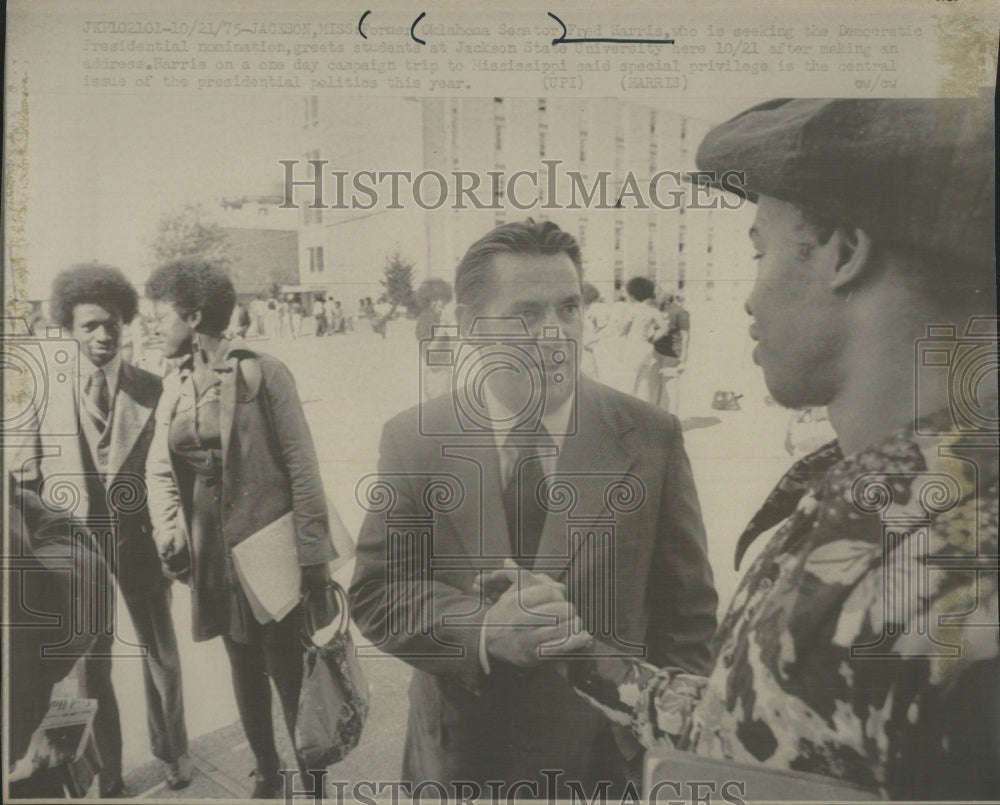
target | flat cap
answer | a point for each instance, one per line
(918, 173)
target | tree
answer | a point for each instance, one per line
(430, 290)
(398, 282)
(186, 233)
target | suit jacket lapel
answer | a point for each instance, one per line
(129, 420)
(597, 456)
(61, 440)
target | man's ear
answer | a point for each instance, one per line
(194, 319)
(854, 257)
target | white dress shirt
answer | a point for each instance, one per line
(112, 371)
(555, 423)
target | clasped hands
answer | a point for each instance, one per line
(529, 611)
(174, 556)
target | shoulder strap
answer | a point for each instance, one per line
(249, 370)
(253, 379)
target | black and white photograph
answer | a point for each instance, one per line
(583, 403)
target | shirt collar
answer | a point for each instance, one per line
(830, 475)
(112, 371)
(555, 422)
(220, 360)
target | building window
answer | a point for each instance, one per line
(315, 259)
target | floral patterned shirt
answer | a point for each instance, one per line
(862, 644)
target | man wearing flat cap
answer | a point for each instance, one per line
(862, 643)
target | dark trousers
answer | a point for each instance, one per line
(277, 655)
(161, 670)
(161, 667)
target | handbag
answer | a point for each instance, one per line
(334, 700)
(726, 401)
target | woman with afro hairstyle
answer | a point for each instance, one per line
(232, 454)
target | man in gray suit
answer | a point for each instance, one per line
(526, 466)
(92, 439)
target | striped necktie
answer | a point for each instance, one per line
(97, 402)
(522, 496)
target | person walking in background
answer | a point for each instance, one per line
(234, 321)
(636, 323)
(670, 351)
(272, 318)
(431, 296)
(340, 321)
(242, 321)
(257, 311)
(330, 312)
(231, 455)
(647, 325)
(295, 313)
(595, 321)
(381, 313)
(319, 317)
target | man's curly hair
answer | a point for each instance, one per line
(193, 285)
(92, 284)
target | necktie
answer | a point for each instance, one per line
(525, 487)
(98, 404)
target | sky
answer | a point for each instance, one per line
(103, 168)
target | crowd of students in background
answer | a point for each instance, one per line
(638, 343)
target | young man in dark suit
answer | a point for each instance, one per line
(526, 466)
(107, 407)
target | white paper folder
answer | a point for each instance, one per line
(267, 565)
